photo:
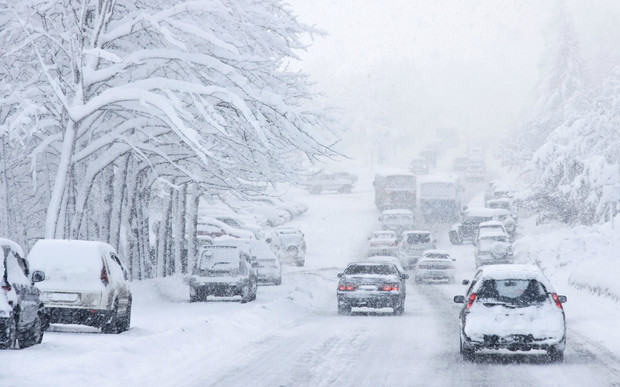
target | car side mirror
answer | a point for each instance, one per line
(459, 299)
(562, 299)
(465, 282)
(404, 276)
(340, 275)
(38, 276)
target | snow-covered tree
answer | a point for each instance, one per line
(125, 94)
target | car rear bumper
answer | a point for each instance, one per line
(218, 289)
(434, 275)
(375, 300)
(82, 316)
(515, 342)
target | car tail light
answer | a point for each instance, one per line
(104, 274)
(389, 287)
(346, 287)
(557, 301)
(471, 300)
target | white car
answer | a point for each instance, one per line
(214, 228)
(493, 248)
(397, 220)
(382, 243)
(514, 308)
(413, 243)
(491, 227)
(85, 283)
(434, 265)
(288, 244)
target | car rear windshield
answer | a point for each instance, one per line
(371, 269)
(224, 259)
(520, 292)
(418, 238)
(400, 182)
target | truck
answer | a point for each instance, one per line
(395, 190)
(439, 198)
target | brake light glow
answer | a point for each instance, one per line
(557, 301)
(389, 288)
(472, 298)
(346, 287)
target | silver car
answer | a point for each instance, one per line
(514, 308)
(413, 243)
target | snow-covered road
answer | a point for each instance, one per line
(292, 336)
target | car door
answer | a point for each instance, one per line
(120, 280)
(27, 294)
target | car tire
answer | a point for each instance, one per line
(32, 336)
(246, 294)
(467, 354)
(555, 355)
(124, 322)
(399, 309)
(111, 325)
(9, 341)
(278, 281)
(344, 308)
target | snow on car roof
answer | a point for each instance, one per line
(492, 223)
(515, 271)
(437, 252)
(439, 178)
(13, 245)
(500, 200)
(492, 234)
(418, 232)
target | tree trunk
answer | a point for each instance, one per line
(192, 221)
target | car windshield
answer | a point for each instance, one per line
(521, 292)
(418, 238)
(371, 269)
(400, 182)
(224, 259)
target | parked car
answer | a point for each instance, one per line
(275, 216)
(467, 229)
(434, 265)
(215, 228)
(419, 166)
(493, 248)
(22, 317)
(264, 261)
(412, 244)
(382, 243)
(371, 284)
(327, 181)
(288, 243)
(223, 271)
(85, 283)
(512, 307)
(397, 220)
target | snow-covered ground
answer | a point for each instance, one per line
(291, 335)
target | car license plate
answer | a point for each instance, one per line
(64, 297)
(368, 287)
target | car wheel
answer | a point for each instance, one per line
(555, 355)
(345, 189)
(344, 308)
(399, 309)
(278, 281)
(245, 294)
(32, 336)
(194, 298)
(9, 338)
(124, 321)
(467, 354)
(111, 325)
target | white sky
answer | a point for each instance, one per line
(408, 67)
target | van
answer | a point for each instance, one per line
(85, 283)
(395, 190)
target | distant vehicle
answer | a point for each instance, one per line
(460, 163)
(268, 268)
(215, 228)
(430, 155)
(418, 166)
(85, 283)
(439, 198)
(512, 307)
(288, 244)
(222, 271)
(475, 170)
(22, 318)
(397, 220)
(493, 249)
(467, 229)
(326, 181)
(395, 190)
(371, 284)
(413, 243)
(495, 191)
(491, 228)
(434, 265)
(382, 243)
